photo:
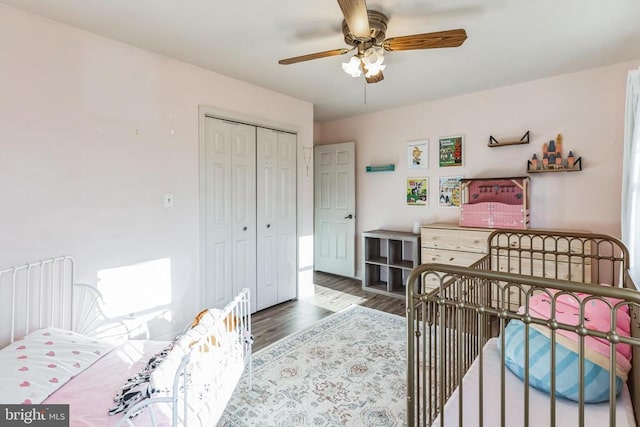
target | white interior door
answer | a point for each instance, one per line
(334, 208)
(229, 204)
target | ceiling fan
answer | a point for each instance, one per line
(365, 31)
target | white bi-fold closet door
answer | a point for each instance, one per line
(249, 213)
(276, 221)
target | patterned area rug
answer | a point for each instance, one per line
(346, 370)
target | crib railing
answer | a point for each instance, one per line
(579, 257)
(448, 328)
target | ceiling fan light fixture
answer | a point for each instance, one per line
(373, 55)
(372, 61)
(374, 70)
(352, 67)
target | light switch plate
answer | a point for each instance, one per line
(168, 200)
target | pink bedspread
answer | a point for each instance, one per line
(90, 394)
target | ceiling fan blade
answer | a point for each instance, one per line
(318, 55)
(451, 38)
(376, 78)
(356, 16)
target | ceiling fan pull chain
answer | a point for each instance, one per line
(365, 91)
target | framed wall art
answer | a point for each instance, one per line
(418, 154)
(449, 194)
(450, 150)
(417, 191)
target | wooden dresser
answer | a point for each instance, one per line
(451, 244)
(463, 246)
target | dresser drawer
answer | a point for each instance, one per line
(455, 239)
(463, 259)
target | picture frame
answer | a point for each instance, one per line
(451, 151)
(418, 154)
(417, 191)
(449, 191)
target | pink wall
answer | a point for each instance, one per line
(587, 108)
(93, 132)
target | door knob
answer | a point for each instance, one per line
(244, 228)
(348, 216)
(268, 225)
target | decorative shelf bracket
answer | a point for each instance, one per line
(495, 143)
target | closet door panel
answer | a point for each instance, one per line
(217, 223)
(287, 283)
(266, 221)
(267, 287)
(220, 273)
(243, 199)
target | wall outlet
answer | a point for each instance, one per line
(168, 200)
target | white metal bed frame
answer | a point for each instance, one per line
(49, 296)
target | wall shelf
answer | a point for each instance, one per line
(381, 168)
(495, 143)
(577, 166)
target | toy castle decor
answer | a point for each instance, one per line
(552, 160)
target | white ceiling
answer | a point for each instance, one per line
(509, 41)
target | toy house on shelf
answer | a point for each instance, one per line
(552, 160)
(495, 202)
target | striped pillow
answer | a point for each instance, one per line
(596, 378)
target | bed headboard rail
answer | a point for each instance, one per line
(36, 295)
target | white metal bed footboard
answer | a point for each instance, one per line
(448, 329)
(208, 370)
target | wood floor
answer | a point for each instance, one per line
(332, 294)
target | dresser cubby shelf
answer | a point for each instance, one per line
(389, 257)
